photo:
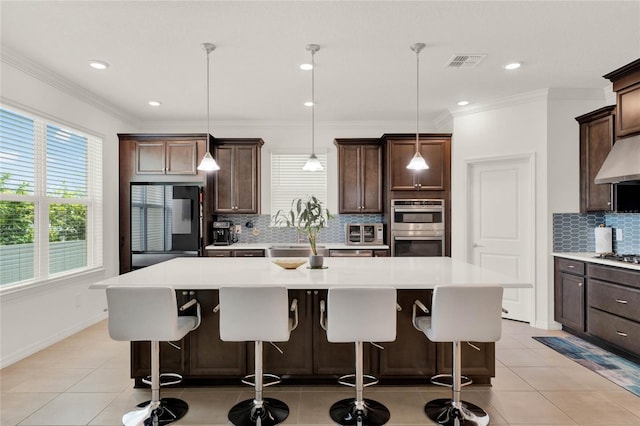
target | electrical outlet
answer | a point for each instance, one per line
(618, 234)
(238, 229)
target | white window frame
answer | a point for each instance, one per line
(42, 203)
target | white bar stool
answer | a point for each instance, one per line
(359, 315)
(459, 314)
(151, 314)
(257, 314)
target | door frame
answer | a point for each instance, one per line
(530, 158)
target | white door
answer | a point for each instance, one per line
(500, 238)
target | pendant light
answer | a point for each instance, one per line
(417, 162)
(208, 163)
(313, 164)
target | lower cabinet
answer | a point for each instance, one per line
(599, 303)
(308, 357)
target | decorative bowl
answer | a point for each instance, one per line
(289, 263)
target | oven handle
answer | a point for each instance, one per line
(418, 210)
(434, 238)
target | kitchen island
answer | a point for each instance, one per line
(203, 359)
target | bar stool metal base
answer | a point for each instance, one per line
(247, 413)
(442, 412)
(169, 410)
(344, 412)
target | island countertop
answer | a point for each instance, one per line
(202, 273)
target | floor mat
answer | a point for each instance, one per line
(618, 370)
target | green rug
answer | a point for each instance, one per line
(616, 369)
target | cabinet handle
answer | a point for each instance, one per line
(624, 302)
(579, 284)
(620, 333)
(309, 292)
(570, 266)
(608, 203)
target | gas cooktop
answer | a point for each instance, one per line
(628, 258)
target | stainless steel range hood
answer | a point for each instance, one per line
(623, 162)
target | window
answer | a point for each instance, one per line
(50, 199)
(289, 181)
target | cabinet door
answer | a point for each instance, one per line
(432, 179)
(478, 364)
(150, 157)
(220, 253)
(371, 178)
(297, 356)
(570, 300)
(412, 353)
(208, 355)
(223, 180)
(332, 358)
(596, 139)
(628, 104)
(245, 180)
(181, 157)
(349, 179)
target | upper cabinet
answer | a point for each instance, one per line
(359, 175)
(626, 84)
(596, 139)
(177, 157)
(436, 150)
(237, 184)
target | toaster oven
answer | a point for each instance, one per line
(364, 234)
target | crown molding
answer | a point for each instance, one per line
(39, 72)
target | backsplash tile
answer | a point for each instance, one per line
(573, 232)
(333, 233)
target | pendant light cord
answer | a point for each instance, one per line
(417, 100)
(313, 103)
(208, 100)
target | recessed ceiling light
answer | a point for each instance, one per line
(308, 104)
(463, 103)
(512, 66)
(155, 103)
(99, 65)
(306, 67)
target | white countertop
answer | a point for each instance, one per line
(201, 273)
(591, 257)
(265, 246)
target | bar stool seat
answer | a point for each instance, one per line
(356, 314)
(257, 314)
(458, 314)
(151, 314)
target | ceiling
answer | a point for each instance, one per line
(365, 71)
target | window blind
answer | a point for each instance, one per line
(50, 199)
(289, 181)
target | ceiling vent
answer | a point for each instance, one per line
(465, 61)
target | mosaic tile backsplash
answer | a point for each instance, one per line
(333, 233)
(573, 232)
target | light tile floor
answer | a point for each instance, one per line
(84, 380)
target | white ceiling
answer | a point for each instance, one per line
(365, 70)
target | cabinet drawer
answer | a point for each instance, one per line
(219, 253)
(619, 300)
(616, 275)
(618, 331)
(249, 253)
(571, 266)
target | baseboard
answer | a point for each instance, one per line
(43, 344)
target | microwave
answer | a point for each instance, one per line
(364, 233)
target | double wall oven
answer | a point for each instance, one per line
(417, 227)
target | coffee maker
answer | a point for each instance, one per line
(223, 233)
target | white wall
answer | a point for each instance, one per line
(35, 318)
(541, 123)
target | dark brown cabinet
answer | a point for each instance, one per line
(570, 293)
(359, 175)
(237, 183)
(166, 157)
(436, 150)
(596, 139)
(235, 253)
(626, 84)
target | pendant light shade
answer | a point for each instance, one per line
(313, 164)
(417, 162)
(208, 163)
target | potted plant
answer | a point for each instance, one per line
(308, 217)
